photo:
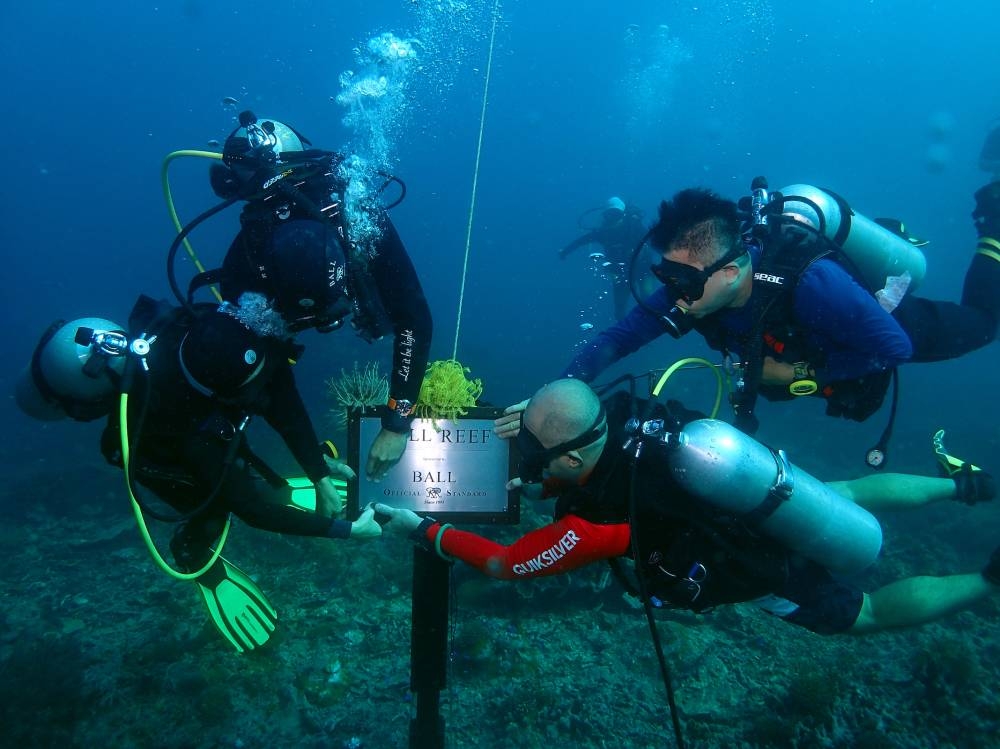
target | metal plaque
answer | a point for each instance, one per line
(451, 470)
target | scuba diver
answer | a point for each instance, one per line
(188, 381)
(321, 255)
(619, 231)
(804, 297)
(714, 516)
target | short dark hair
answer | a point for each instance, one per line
(706, 224)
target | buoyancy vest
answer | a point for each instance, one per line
(692, 555)
(786, 251)
(250, 263)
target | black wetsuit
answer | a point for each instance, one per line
(696, 556)
(181, 444)
(394, 279)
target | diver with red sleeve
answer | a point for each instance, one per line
(705, 507)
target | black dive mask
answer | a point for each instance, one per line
(535, 457)
(688, 283)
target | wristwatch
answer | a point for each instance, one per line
(400, 407)
(803, 380)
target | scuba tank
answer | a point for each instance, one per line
(75, 371)
(713, 460)
(875, 252)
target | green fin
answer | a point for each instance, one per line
(949, 463)
(303, 494)
(238, 608)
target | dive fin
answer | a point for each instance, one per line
(972, 483)
(899, 229)
(949, 463)
(238, 608)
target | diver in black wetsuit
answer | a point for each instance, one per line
(209, 372)
(322, 257)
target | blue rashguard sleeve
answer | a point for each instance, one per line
(846, 323)
(637, 329)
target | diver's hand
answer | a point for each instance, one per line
(402, 522)
(386, 450)
(508, 425)
(328, 501)
(365, 527)
(528, 491)
(774, 372)
(340, 468)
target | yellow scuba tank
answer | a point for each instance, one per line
(876, 252)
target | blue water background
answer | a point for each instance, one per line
(885, 102)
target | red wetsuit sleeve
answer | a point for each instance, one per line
(567, 544)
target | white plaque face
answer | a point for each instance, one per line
(452, 470)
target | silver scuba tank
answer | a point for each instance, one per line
(876, 251)
(716, 462)
(62, 361)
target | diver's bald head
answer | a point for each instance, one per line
(561, 411)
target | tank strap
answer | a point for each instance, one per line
(846, 217)
(37, 375)
(780, 492)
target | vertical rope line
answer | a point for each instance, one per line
(475, 180)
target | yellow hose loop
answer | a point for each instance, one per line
(164, 178)
(681, 364)
(143, 529)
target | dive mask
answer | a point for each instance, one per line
(535, 457)
(686, 282)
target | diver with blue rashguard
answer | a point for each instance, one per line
(776, 295)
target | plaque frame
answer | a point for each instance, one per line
(510, 514)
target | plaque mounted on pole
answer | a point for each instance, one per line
(454, 471)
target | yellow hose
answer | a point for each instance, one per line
(682, 363)
(164, 178)
(143, 529)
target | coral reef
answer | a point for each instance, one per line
(357, 389)
(446, 393)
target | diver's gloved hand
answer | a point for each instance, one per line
(365, 527)
(973, 485)
(401, 522)
(328, 500)
(508, 425)
(986, 215)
